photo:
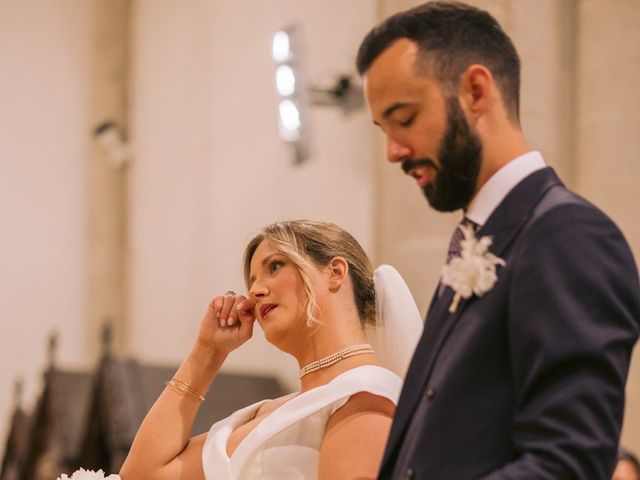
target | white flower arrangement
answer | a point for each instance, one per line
(474, 271)
(83, 474)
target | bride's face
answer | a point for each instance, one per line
(277, 288)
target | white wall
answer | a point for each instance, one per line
(210, 169)
(44, 135)
(607, 127)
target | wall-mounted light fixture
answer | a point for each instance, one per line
(111, 137)
(342, 92)
(293, 95)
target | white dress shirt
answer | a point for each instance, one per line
(500, 184)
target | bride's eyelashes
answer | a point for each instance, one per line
(275, 265)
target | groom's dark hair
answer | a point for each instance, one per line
(451, 36)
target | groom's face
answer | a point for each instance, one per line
(427, 131)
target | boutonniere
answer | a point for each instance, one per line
(83, 474)
(474, 271)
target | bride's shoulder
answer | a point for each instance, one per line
(368, 388)
(361, 427)
(372, 378)
(366, 403)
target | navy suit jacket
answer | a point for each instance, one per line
(527, 381)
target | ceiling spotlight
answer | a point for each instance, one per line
(290, 124)
(281, 46)
(285, 80)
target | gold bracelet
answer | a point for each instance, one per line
(183, 387)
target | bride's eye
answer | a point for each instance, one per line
(275, 265)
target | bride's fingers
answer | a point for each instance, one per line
(246, 308)
(246, 319)
(227, 309)
(232, 317)
(216, 306)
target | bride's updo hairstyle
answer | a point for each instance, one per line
(305, 240)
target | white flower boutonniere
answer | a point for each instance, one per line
(83, 474)
(474, 271)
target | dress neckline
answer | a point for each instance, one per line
(253, 413)
(366, 378)
(295, 397)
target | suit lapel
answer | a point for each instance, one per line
(516, 208)
(503, 225)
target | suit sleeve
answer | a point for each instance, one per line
(573, 319)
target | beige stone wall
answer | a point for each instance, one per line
(607, 129)
(209, 167)
(45, 139)
(579, 107)
(107, 260)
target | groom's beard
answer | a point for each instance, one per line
(459, 154)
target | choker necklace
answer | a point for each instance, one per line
(335, 358)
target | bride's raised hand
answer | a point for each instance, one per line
(228, 323)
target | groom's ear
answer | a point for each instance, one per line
(338, 270)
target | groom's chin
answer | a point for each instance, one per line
(438, 203)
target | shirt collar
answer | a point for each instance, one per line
(500, 184)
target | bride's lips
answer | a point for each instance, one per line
(266, 309)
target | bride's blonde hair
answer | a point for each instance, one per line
(304, 240)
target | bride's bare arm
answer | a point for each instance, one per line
(355, 439)
(162, 448)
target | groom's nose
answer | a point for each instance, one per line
(397, 152)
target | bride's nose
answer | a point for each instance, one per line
(258, 289)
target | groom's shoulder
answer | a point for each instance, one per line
(562, 205)
(564, 217)
(542, 197)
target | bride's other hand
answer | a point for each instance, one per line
(227, 323)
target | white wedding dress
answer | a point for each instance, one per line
(285, 445)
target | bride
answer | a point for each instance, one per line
(311, 289)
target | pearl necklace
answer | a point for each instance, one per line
(335, 358)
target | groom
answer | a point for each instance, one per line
(527, 380)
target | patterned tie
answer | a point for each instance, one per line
(455, 248)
